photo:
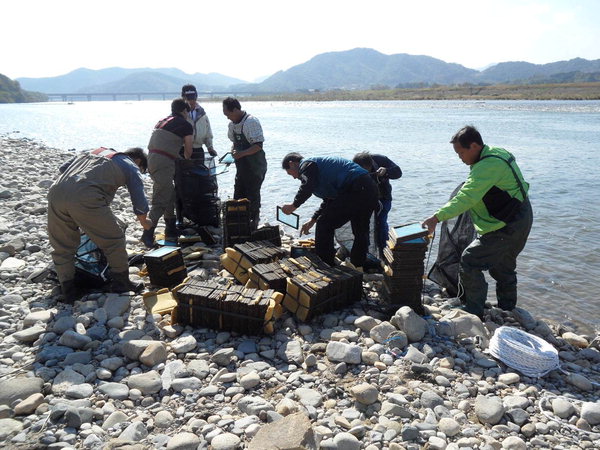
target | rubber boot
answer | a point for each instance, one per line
(148, 238)
(171, 232)
(122, 283)
(69, 292)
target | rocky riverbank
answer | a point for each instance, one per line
(104, 373)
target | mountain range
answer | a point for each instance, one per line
(360, 68)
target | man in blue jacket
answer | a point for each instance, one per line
(349, 194)
(382, 169)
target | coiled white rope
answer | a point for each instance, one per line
(529, 354)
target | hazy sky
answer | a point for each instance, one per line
(254, 38)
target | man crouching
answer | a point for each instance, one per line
(80, 199)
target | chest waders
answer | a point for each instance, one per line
(249, 176)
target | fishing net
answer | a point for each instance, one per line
(456, 234)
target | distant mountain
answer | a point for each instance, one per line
(362, 68)
(508, 72)
(117, 79)
(11, 92)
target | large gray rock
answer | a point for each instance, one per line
(225, 441)
(116, 305)
(346, 441)
(291, 352)
(309, 397)
(342, 352)
(591, 412)
(29, 335)
(365, 393)
(291, 432)
(580, 381)
(155, 353)
(458, 322)
(223, 356)
(134, 432)
(365, 323)
(147, 383)
(411, 323)
(8, 427)
(117, 391)
(29, 405)
(73, 339)
(65, 379)
(115, 418)
(184, 344)
(63, 323)
(183, 441)
(489, 409)
(253, 405)
(134, 348)
(380, 332)
(22, 387)
(11, 264)
(430, 399)
(563, 408)
(199, 368)
(43, 316)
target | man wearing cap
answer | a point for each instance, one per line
(349, 194)
(495, 194)
(250, 162)
(203, 135)
(80, 199)
(168, 136)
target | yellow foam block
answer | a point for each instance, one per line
(159, 302)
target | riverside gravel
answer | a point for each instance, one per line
(105, 374)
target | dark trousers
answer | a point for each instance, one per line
(355, 205)
(249, 177)
(382, 224)
(497, 253)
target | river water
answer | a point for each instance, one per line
(556, 143)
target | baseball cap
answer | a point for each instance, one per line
(189, 91)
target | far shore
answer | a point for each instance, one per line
(564, 91)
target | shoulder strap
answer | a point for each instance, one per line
(104, 152)
(509, 161)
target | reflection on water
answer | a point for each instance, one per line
(556, 144)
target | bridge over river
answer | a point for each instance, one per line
(79, 96)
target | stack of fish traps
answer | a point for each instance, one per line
(267, 233)
(166, 267)
(274, 275)
(226, 307)
(197, 190)
(238, 259)
(236, 222)
(322, 290)
(403, 274)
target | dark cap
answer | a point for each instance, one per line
(189, 91)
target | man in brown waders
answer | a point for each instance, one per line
(80, 199)
(168, 136)
(246, 134)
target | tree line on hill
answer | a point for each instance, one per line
(11, 92)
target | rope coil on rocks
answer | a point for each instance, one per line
(529, 354)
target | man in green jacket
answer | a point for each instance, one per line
(495, 194)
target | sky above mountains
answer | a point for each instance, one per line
(252, 39)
